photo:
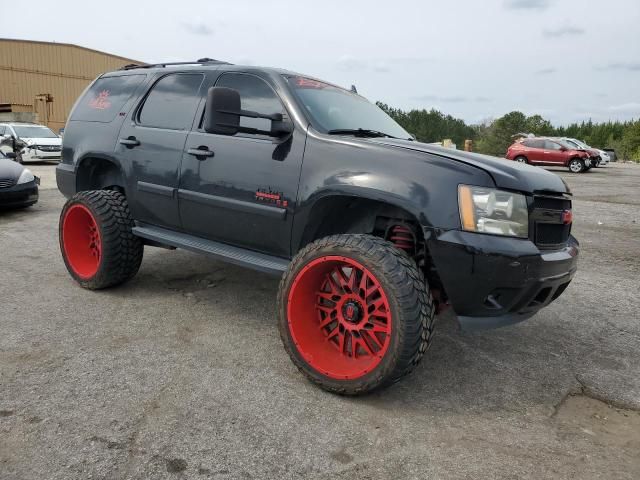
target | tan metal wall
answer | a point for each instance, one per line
(30, 68)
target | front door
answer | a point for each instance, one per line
(151, 144)
(243, 191)
(553, 153)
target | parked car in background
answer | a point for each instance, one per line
(612, 154)
(602, 157)
(18, 186)
(551, 152)
(41, 143)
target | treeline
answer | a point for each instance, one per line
(493, 137)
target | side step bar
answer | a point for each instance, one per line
(239, 256)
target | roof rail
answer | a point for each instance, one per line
(201, 61)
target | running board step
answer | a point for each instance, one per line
(239, 256)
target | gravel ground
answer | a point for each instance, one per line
(181, 374)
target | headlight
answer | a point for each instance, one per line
(26, 176)
(487, 210)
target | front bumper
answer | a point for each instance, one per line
(493, 281)
(34, 154)
(20, 195)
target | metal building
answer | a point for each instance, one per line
(40, 81)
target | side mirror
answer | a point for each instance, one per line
(223, 111)
(11, 155)
(280, 127)
(563, 149)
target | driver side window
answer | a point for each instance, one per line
(255, 95)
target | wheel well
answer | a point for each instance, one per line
(345, 214)
(99, 174)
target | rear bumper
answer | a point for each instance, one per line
(20, 195)
(494, 281)
(66, 179)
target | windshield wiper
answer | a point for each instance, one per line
(359, 132)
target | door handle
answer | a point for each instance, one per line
(201, 152)
(129, 142)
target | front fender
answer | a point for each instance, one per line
(422, 184)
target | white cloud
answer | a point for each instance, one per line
(631, 107)
(526, 4)
(198, 28)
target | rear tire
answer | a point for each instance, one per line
(355, 313)
(96, 241)
(576, 165)
(521, 159)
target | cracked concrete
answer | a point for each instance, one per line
(180, 373)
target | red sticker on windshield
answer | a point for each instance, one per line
(302, 82)
(101, 102)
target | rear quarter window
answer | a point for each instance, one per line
(533, 143)
(106, 97)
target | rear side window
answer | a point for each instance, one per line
(172, 102)
(551, 145)
(2, 129)
(106, 97)
(534, 143)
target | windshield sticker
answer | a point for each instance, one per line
(101, 102)
(302, 82)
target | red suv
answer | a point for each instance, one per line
(546, 151)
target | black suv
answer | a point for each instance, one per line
(371, 231)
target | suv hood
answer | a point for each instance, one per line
(505, 173)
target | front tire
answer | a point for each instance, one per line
(521, 159)
(96, 241)
(576, 165)
(355, 313)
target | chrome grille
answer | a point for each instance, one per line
(49, 148)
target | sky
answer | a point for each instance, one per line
(567, 60)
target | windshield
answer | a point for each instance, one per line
(333, 108)
(34, 132)
(569, 144)
(578, 143)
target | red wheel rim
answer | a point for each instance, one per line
(339, 317)
(81, 241)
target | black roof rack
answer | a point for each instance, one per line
(201, 61)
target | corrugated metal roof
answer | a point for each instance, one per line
(71, 45)
(29, 68)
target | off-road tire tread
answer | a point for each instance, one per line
(121, 250)
(406, 283)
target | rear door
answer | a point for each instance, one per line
(243, 192)
(535, 150)
(151, 145)
(553, 153)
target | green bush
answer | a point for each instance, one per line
(493, 137)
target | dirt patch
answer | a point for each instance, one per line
(599, 423)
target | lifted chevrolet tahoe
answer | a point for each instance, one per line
(371, 231)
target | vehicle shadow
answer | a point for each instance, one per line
(512, 369)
